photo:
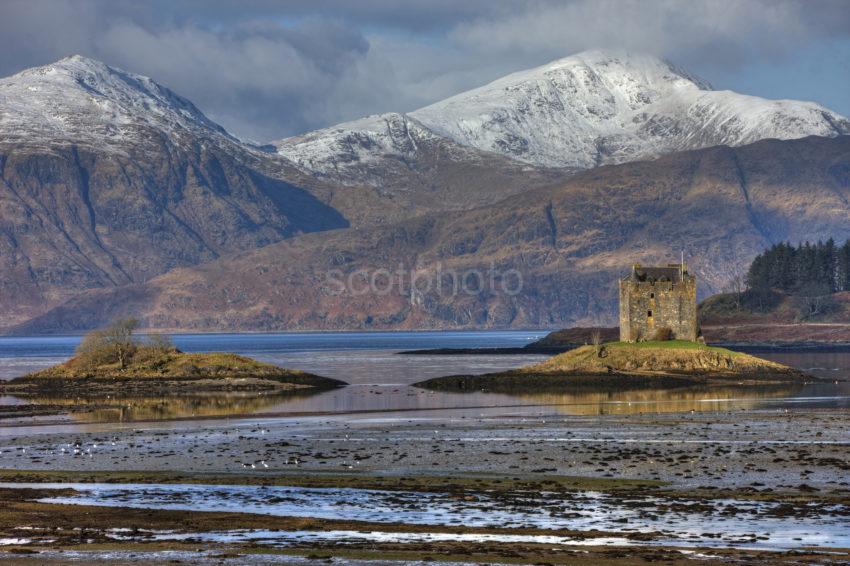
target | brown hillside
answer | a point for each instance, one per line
(721, 206)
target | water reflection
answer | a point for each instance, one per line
(678, 400)
(407, 400)
(162, 408)
(827, 365)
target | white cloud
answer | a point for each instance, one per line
(270, 69)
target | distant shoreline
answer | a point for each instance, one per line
(749, 347)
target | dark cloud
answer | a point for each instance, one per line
(266, 69)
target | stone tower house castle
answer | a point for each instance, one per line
(658, 297)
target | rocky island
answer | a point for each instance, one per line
(113, 362)
(621, 365)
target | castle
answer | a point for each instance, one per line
(653, 298)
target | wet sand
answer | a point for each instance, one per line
(798, 459)
(735, 449)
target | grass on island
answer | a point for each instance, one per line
(623, 365)
(671, 357)
(669, 345)
(151, 364)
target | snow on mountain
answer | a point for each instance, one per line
(376, 151)
(590, 109)
(409, 167)
(80, 100)
(107, 178)
(359, 142)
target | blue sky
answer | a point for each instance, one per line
(266, 69)
(819, 71)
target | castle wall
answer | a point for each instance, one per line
(671, 305)
(625, 305)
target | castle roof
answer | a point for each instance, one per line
(672, 272)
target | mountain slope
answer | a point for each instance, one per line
(408, 166)
(107, 178)
(591, 109)
(569, 243)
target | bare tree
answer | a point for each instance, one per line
(738, 289)
(120, 336)
(596, 340)
(812, 300)
(113, 344)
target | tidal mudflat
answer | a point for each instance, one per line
(693, 476)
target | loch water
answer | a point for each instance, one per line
(381, 379)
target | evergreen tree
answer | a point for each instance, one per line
(800, 269)
(842, 269)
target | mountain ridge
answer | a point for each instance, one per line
(569, 242)
(578, 112)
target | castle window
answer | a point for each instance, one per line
(652, 295)
(649, 313)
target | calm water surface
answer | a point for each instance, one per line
(380, 378)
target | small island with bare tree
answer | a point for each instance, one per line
(116, 361)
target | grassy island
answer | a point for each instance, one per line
(621, 365)
(114, 362)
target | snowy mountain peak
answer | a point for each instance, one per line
(600, 107)
(86, 101)
(380, 134)
(620, 63)
(620, 72)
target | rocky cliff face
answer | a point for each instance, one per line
(73, 219)
(568, 243)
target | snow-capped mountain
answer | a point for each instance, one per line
(84, 101)
(355, 147)
(360, 140)
(594, 108)
(108, 178)
(403, 159)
